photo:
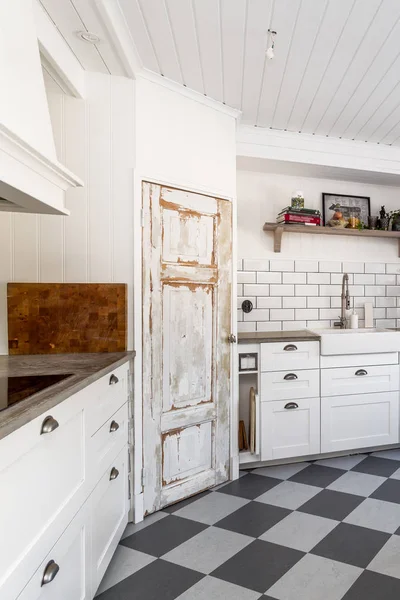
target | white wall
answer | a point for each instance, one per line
(95, 139)
(260, 196)
(183, 142)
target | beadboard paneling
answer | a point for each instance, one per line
(95, 139)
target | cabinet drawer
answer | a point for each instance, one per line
(280, 385)
(108, 441)
(290, 431)
(108, 394)
(359, 421)
(109, 508)
(42, 486)
(359, 360)
(289, 356)
(66, 568)
(359, 380)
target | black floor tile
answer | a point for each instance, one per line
(398, 531)
(331, 504)
(317, 475)
(253, 519)
(258, 566)
(389, 491)
(250, 487)
(350, 544)
(372, 586)
(160, 579)
(164, 535)
(174, 507)
(373, 465)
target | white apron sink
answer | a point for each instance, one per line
(357, 341)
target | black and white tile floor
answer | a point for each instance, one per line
(327, 530)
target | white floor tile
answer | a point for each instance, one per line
(281, 471)
(396, 475)
(289, 494)
(211, 508)
(386, 561)
(390, 454)
(124, 563)
(208, 549)
(210, 588)
(315, 578)
(300, 531)
(376, 514)
(342, 462)
(359, 484)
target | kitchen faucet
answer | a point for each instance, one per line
(345, 304)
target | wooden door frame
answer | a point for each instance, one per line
(137, 496)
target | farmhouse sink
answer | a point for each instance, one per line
(358, 341)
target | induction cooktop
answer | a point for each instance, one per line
(16, 389)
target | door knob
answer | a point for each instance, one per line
(114, 426)
(232, 339)
(113, 379)
(114, 473)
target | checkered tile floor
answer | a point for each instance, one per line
(326, 530)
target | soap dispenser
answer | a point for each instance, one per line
(354, 319)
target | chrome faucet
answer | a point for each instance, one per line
(345, 304)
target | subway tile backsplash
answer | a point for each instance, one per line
(289, 295)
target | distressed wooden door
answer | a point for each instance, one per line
(187, 294)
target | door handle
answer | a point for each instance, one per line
(232, 338)
(50, 572)
(290, 348)
(114, 474)
(361, 372)
(114, 426)
(291, 405)
(49, 425)
(113, 379)
(290, 376)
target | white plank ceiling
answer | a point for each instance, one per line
(336, 70)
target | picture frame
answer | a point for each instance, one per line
(350, 206)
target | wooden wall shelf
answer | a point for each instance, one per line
(280, 229)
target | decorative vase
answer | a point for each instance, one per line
(372, 222)
(396, 223)
(384, 223)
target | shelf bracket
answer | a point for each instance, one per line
(278, 239)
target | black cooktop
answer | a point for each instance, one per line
(16, 389)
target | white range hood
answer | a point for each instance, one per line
(31, 178)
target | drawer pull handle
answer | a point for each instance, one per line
(114, 474)
(114, 426)
(291, 405)
(290, 376)
(361, 372)
(48, 425)
(50, 572)
(113, 379)
(290, 348)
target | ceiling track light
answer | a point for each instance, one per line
(270, 53)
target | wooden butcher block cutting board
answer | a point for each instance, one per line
(55, 318)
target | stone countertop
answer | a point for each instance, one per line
(85, 369)
(262, 337)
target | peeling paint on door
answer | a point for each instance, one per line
(186, 323)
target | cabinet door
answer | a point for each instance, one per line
(65, 572)
(109, 507)
(359, 421)
(290, 428)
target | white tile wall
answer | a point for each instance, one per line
(291, 295)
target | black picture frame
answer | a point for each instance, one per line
(363, 203)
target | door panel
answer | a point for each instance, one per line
(188, 347)
(187, 270)
(187, 452)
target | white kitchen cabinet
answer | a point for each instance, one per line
(359, 421)
(282, 385)
(65, 572)
(109, 510)
(289, 356)
(359, 380)
(290, 428)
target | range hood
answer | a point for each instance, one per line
(31, 178)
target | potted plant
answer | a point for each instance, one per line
(394, 218)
